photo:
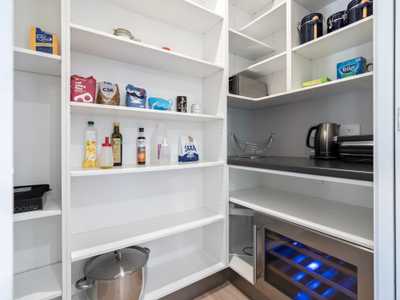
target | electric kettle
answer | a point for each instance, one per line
(325, 145)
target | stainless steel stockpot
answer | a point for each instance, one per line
(118, 275)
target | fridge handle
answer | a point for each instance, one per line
(258, 253)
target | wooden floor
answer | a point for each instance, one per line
(224, 292)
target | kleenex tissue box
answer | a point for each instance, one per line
(351, 67)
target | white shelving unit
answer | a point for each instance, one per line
(172, 208)
(271, 21)
(270, 65)
(355, 225)
(354, 182)
(27, 60)
(88, 244)
(336, 207)
(291, 63)
(146, 114)
(247, 47)
(200, 266)
(91, 41)
(143, 169)
(339, 86)
(39, 284)
(38, 259)
(158, 206)
(50, 209)
(348, 37)
(183, 13)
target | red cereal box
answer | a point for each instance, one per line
(83, 89)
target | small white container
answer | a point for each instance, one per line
(195, 109)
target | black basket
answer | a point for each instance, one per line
(29, 197)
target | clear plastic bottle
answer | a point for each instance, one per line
(90, 147)
(164, 152)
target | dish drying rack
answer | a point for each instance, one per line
(252, 150)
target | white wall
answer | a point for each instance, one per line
(6, 123)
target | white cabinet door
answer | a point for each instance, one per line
(6, 160)
(384, 118)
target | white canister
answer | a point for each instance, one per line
(195, 109)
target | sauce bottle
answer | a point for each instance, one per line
(106, 156)
(116, 140)
(141, 147)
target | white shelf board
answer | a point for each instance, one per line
(350, 36)
(148, 114)
(88, 244)
(267, 66)
(91, 41)
(27, 60)
(183, 13)
(363, 81)
(306, 176)
(50, 209)
(39, 284)
(314, 5)
(349, 223)
(247, 47)
(173, 275)
(251, 7)
(242, 102)
(270, 22)
(144, 169)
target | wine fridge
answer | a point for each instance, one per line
(296, 263)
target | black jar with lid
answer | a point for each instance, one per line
(359, 9)
(311, 27)
(336, 21)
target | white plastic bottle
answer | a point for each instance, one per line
(106, 156)
(164, 152)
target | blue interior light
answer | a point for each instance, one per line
(314, 284)
(299, 258)
(302, 296)
(314, 265)
(330, 273)
(328, 293)
(298, 276)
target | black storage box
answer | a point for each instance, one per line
(29, 197)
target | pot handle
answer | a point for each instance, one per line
(84, 284)
(308, 144)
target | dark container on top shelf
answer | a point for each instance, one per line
(311, 27)
(359, 9)
(336, 21)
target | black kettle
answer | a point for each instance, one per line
(325, 144)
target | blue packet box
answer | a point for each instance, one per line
(351, 67)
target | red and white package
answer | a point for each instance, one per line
(83, 89)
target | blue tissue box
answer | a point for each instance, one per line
(351, 67)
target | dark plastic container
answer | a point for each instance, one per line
(29, 197)
(359, 9)
(336, 21)
(311, 27)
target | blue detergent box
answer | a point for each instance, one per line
(351, 67)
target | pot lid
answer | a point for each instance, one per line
(117, 264)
